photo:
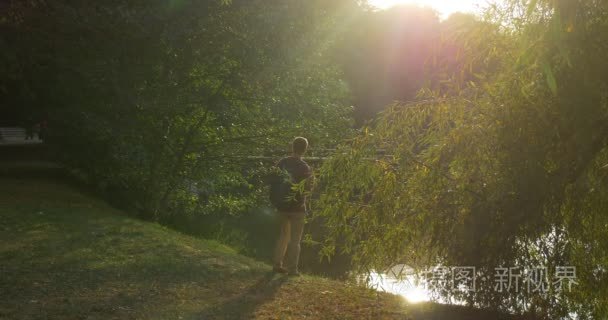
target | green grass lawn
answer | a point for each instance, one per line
(67, 255)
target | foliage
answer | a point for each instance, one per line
(504, 166)
(162, 101)
(385, 54)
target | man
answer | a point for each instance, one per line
(292, 214)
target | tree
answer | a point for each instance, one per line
(159, 102)
(504, 168)
(384, 55)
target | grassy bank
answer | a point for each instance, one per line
(67, 255)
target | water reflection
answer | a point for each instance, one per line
(400, 280)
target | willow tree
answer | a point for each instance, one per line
(501, 162)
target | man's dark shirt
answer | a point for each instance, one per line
(299, 171)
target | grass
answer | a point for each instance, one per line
(68, 255)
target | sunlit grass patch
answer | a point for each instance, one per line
(66, 255)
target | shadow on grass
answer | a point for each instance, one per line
(67, 256)
(243, 305)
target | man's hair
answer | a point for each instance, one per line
(299, 145)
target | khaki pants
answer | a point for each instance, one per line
(292, 226)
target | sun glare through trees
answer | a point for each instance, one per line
(444, 7)
(195, 158)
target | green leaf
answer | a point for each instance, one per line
(531, 7)
(550, 78)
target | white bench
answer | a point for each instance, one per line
(16, 135)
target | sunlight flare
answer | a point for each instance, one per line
(407, 287)
(415, 295)
(444, 7)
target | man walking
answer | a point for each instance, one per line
(291, 205)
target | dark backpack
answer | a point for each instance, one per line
(282, 196)
(287, 187)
